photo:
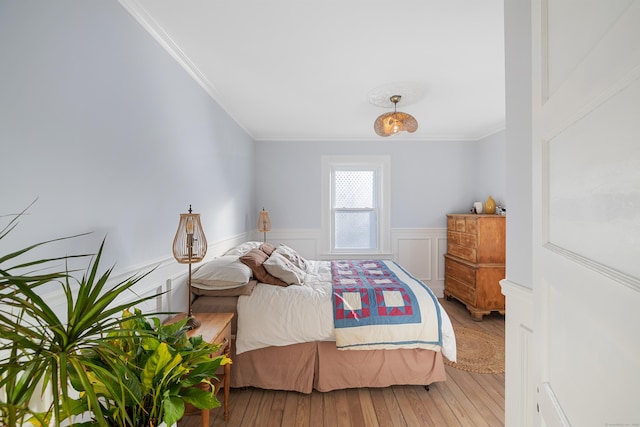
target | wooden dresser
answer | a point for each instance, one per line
(475, 262)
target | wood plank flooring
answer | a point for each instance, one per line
(465, 399)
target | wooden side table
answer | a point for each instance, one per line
(215, 328)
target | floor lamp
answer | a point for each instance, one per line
(190, 246)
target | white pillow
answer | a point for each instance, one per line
(242, 248)
(293, 256)
(280, 267)
(224, 272)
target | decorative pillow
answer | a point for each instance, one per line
(255, 259)
(224, 272)
(267, 248)
(292, 256)
(280, 267)
(233, 292)
(243, 248)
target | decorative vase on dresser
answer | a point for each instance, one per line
(489, 206)
(475, 262)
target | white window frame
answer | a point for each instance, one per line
(382, 166)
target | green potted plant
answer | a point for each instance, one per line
(47, 352)
(161, 371)
(40, 343)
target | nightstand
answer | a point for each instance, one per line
(215, 328)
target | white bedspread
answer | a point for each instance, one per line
(279, 316)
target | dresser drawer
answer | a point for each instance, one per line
(451, 223)
(471, 225)
(463, 252)
(462, 239)
(461, 272)
(462, 223)
(458, 224)
(461, 291)
(223, 338)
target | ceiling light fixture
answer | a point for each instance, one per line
(391, 123)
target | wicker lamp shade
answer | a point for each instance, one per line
(190, 243)
(190, 246)
(392, 123)
(264, 223)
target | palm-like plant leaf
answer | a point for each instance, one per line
(130, 371)
(38, 348)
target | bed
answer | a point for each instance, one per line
(302, 325)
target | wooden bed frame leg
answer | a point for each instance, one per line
(426, 387)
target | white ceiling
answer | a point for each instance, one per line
(304, 70)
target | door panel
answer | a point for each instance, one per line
(587, 159)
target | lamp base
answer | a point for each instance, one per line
(192, 322)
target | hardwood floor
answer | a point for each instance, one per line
(465, 399)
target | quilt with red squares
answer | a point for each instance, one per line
(379, 305)
(369, 293)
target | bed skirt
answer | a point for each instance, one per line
(321, 366)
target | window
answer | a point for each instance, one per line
(355, 214)
(354, 209)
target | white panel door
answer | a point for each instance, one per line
(586, 74)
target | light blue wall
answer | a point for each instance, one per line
(491, 169)
(111, 135)
(428, 179)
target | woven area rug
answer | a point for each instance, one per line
(478, 351)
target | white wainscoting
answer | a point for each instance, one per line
(305, 241)
(164, 277)
(419, 250)
(519, 384)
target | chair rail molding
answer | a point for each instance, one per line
(419, 250)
